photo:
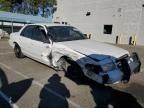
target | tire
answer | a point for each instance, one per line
(63, 64)
(71, 68)
(3, 79)
(18, 52)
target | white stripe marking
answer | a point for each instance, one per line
(142, 69)
(15, 106)
(41, 85)
(6, 53)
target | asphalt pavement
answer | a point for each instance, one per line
(35, 85)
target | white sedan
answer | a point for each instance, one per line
(65, 47)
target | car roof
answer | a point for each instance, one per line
(49, 24)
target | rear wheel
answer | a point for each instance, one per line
(18, 52)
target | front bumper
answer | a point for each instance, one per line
(129, 65)
(125, 67)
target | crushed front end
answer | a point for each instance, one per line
(129, 65)
(112, 70)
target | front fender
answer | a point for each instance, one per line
(79, 58)
(59, 53)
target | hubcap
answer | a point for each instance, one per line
(17, 51)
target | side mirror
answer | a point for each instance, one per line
(45, 38)
(43, 32)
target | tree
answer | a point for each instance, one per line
(46, 3)
(28, 6)
(52, 2)
(5, 5)
(34, 4)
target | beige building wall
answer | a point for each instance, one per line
(125, 16)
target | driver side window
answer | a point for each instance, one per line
(38, 34)
(74, 34)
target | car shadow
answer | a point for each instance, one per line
(54, 94)
(14, 90)
(106, 96)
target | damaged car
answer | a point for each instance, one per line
(65, 47)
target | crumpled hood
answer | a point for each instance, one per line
(94, 49)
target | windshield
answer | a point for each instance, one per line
(65, 33)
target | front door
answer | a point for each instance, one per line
(40, 49)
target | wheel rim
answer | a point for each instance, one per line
(17, 51)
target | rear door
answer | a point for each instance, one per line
(25, 39)
(40, 49)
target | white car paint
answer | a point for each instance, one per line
(89, 47)
(81, 51)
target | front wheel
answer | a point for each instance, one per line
(18, 52)
(71, 68)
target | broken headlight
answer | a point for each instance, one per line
(108, 67)
(93, 68)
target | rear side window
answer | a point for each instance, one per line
(27, 31)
